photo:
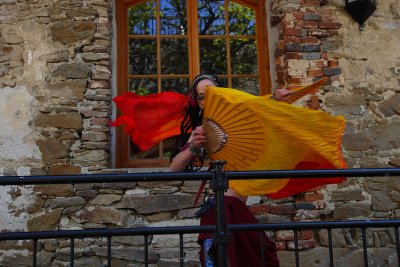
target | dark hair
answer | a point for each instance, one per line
(195, 82)
(193, 117)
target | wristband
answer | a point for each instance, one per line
(196, 151)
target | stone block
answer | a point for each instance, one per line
(68, 32)
(72, 71)
(62, 190)
(45, 221)
(157, 203)
(345, 211)
(63, 120)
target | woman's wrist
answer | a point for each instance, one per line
(196, 151)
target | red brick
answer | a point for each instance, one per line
(329, 25)
(304, 235)
(280, 245)
(310, 40)
(309, 24)
(286, 235)
(294, 32)
(333, 31)
(315, 72)
(297, 81)
(320, 63)
(279, 60)
(259, 209)
(332, 63)
(281, 76)
(298, 15)
(284, 209)
(293, 55)
(292, 39)
(318, 33)
(280, 68)
(315, 3)
(281, 44)
(313, 196)
(302, 244)
(324, 55)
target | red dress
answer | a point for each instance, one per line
(244, 246)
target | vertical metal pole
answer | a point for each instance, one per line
(72, 252)
(396, 231)
(109, 251)
(34, 256)
(181, 254)
(296, 249)
(365, 246)
(146, 250)
(330, 246)
(219, 184)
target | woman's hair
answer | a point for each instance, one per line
(193, 114)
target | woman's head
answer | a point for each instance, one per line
(198, 88)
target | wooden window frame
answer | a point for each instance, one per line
(122, 159)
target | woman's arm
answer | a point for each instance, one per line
(196, 141)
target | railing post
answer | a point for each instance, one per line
(219, 184)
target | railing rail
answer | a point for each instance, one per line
(219, 182)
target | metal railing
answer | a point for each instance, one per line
(219, 182)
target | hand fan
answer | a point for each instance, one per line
(233, 133)
(259, 133)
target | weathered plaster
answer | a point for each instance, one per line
(16, 113)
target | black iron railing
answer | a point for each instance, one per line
(219, 182)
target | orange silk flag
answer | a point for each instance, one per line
(151, 118)
(260, 133)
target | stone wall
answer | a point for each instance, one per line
(55, 101)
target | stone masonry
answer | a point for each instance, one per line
(56, 70)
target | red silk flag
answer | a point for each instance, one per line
(151, 118)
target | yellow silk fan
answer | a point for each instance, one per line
(259, 133)
(233, 131)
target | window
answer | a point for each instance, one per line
(163, 44)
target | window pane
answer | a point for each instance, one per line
(173, 17)
(174, 56)
(242, 20)
(249, 85)
(142, 19)
(135, 153)
(243, 56)
(211, 17)
(169, 147)
(213, 56)
(142, 56)
(175, 85)
(143, 86)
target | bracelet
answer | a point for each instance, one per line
(196, 151)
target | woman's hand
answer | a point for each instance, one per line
(281, 94)
(196, 143)
(198, 139)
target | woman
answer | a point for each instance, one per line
(244, 247)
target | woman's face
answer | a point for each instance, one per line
(201, 89)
